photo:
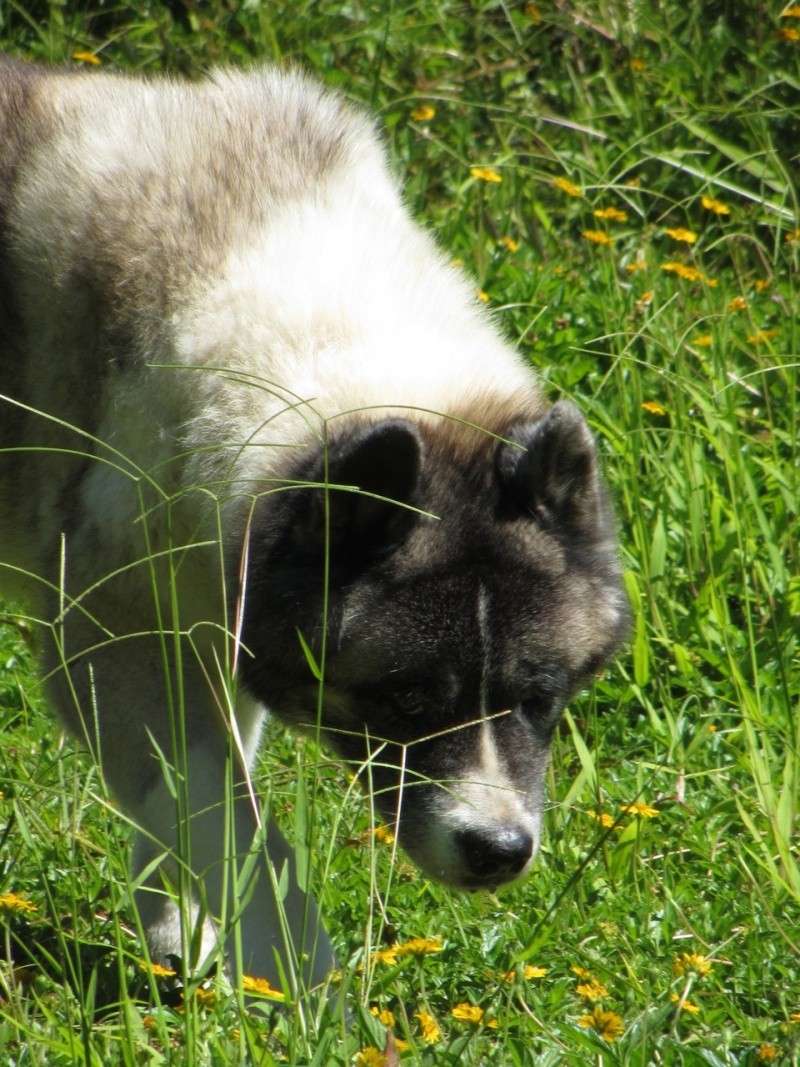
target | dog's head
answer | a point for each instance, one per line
(458, 626)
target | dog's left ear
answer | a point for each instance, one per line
(551, 470)
(382, 459)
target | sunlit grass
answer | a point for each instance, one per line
(660, 924)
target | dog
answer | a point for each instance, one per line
(261, 448)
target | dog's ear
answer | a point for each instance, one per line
(551, 471)
(383, 459)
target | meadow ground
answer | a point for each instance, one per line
(620, 181)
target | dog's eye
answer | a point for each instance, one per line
(409, 701)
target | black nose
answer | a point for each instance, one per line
(495, 855)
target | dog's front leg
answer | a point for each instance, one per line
(241, 867)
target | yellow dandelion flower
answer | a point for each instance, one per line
(604, 819)
(370, 1057)
(793, 237)
(637, 65)
(482, 295)
(206, 998)
(423, 113)
(485, 174)
(419, 946)
(383, 1015)
(684, 1005)
(250, 984)
(716, 206)
(691, 961)
(761, 284)
(87, 57)
(431, 1032)
(597, 237)
(639, 808)
(760, 336)
(385, 955)
(509, 243)
(789, 33)
(645, 299)
(400, 1044)
(737, 304)
(149, 1022)
(792, 12)
(14, 902)
(607, 1024)
(582, 972)
(679, 233)
(593, 990)
(467, 1013)
(691, 274)
(566, 186)
(636, 265)
(766, 1052)
(794, 1017)
(383, 834)
(529, 972)
(654, 408)
(156, 969)
(612, 214)
(703, 340)
(712, 727)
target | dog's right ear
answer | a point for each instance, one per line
(550, 471)
(381, 460)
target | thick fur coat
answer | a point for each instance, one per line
(214, 307)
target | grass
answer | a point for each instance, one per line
(682, 917)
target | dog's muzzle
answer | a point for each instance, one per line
(491, 857)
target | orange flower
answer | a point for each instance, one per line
(250, 984)
(592, 990)
(654, 408)
(737, 304)
(607, 1024)
(604, 819)
(467, 1013)
(485, 174)
(789, 33)
(678, 233)
(613, 214)
(87, 57)
(760, 336)
(509, 243)
(431, 1031)
(566, 186)
(691, 961)
(691, 274)
(638, 808)
(684, 1005)
(423, 113)
(718, 208)
(597, 237)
